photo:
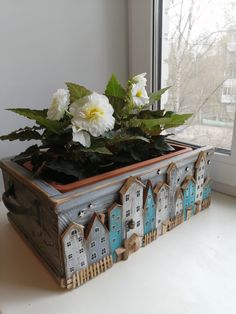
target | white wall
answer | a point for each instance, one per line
(44, 43)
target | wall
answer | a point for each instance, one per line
(44, 43)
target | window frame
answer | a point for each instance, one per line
(145, 22)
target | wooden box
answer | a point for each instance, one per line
(80, 230)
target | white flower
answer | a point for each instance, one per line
(139, 94)
(81, 136)
(140, 78)
(92, 113)
(59, 104)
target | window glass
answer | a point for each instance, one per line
(199, 63)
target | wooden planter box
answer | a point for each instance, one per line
(81, 229)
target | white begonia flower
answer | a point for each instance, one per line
(140, 78)
(92, 113)
(81, 136)
(59, 104)
(139, 94)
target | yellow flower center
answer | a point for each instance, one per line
(139, 93)
(93, 113)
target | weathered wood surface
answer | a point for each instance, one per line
(53, 212)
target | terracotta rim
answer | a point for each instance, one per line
(63, 188)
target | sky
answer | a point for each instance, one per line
(213, 16)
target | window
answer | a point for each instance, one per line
(127, 213)
(138, 193)
(127, 197)
(93, 256)
(138, 208)
(70, 256)
(92, 244)
(82, 263)
(113, 216)
(113, 227)
(113, 240)
(96, 229)
(73, 232)
(80, 239)
(138, 223)
(103, 251)
(103, 239)
(215, 113)
(153, 219)
(81, 250)
(118, 231)
(72, 269)
(197, 47)
(68, 244)
(159, 221)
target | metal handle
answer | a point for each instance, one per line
(13, 206)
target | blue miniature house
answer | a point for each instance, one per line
(149, 210)
(115, 228)
(189, 194)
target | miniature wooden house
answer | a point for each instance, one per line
(132, 202)
(149, 209)
(74, 249)
(189, 193)
(162, 192)
(97, 239)
(115, 226)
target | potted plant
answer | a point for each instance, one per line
(104, 180)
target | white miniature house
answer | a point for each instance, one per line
(162, 191)
(132, 202)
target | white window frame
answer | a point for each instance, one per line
(144, 19)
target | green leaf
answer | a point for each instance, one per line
(161, 145)
(26, 154)
(40, 116)
(177, 120)
(156, 96)
(25, 134)
(100, 150)
(114, 88)
(77, 91)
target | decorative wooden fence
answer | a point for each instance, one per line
(148, 238)
(82, 276)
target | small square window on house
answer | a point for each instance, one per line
(82, 264)
(72, 269)
(138, 193)
(138, 223)
(113, 216)
(127, 197)
(80, 239)
(103, 251)
(159, 200)
(114, 240)
(149, 196)
(153, 219)
(70, 256)
(93, 256)
(159, 221)
(159, 210)
(92, 244)
(165, 206)
(118, 231)
(113, 227)
(68, 243)
(103, 239)
(96, 229)
(138, 208)
(81, 250)
(128, 213)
